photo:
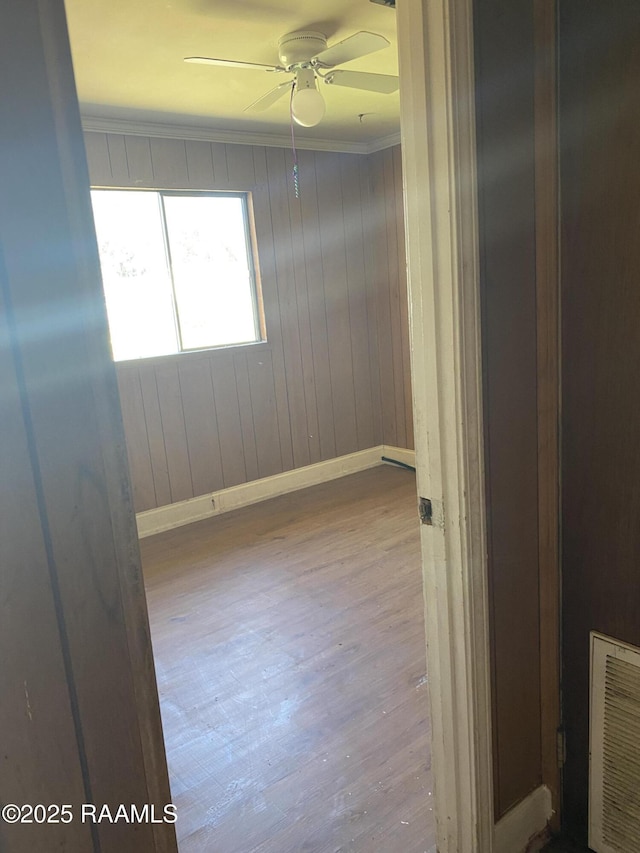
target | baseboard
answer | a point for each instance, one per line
(205, 506)
(400, 454)
(519, 827)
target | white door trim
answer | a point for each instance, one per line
(435, 42)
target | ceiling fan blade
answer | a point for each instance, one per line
(265, 101)
(353, 47)
(383, 83)
(232, 63)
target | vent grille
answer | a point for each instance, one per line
(614, 785)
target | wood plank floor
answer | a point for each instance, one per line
(290, 655)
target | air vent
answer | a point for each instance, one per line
(614, 771)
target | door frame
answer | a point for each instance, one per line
(435, 46)
(437, 109)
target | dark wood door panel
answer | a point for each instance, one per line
(78, 704)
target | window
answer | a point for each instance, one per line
(177, 270)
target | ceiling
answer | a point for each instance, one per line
(127, 56)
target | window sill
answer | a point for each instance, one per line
(190, 355)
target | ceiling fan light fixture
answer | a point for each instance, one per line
(308, 105)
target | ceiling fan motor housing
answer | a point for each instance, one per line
(300, 47)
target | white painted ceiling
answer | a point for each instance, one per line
(128, 61)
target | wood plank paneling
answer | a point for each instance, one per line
(199, 164)
(139, 161)
(546, 152)
(504, 55)
(369, 235)
(300, 273)
(97, 148)
(118, 160)
(279, 189)
(310, 222)
(225, 391)
(393, 277)
(240, 166)
(263, 405)
(135, 424)
(220, 168)
(201, 425)
(266, 239)
(328, 314)
(155, 435)
(352, 209)
(169, 163)
(334, 266)
(599, 76)
(246, 416)
(173, 431)
(382, 296)
(405, 341)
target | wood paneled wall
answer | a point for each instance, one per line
(599, 74)
(505, 64)
(548, 342)
(332, 377)
(385, 226)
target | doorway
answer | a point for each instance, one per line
(289, 647)
(450, 476)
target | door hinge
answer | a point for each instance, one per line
(561, 747)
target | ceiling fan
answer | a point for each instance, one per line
(305, 55)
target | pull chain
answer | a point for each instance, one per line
(296, 182)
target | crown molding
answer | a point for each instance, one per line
(383, 142)
(97, 124)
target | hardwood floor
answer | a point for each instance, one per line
(290, 655)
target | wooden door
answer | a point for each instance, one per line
(79, 711)
(599, 78)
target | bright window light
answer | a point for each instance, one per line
(177, 271)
